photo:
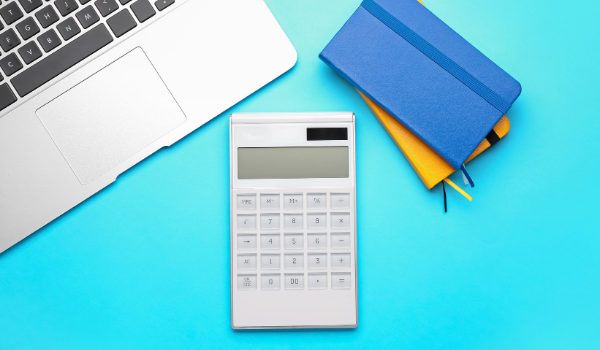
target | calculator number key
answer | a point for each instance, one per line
(269, 261)
(270, 282)
(246, 242)
(340, 201)
(294, 281)
(340, 220)
(269, 241)
(293, 221)
(340, 260)
(340, 280)
(317, 241)
(246, 282)
(317, 221)
(317, 281)
(340, 241)
(294, 261)
(293, 201)
(246, 222)
(317, 261)
(316, 201)
(246, 261)
(269, 221)
(246, 201)
(269, 201)
(293, 241)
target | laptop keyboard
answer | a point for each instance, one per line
(42, 39)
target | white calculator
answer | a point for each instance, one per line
(293, 221)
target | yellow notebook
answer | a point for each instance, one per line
(431, 168)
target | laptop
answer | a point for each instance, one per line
(89, 88)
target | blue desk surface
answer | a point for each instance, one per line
(145, 263)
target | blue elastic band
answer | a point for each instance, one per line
(464, 171)
(436, 55)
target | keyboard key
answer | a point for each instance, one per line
(246, 201)
(47, 16)
(316, 201)
(293, 241)
(8, 40)
(269, 221)
(270, 281)
(121, 23)
(340, 220)
(66, 6)
(7, 97)
(317, 281)
(317, 241)
(340, 241)
(87, 16)
(246, 261)
(11, 13)
(293, 221)
(124, 2)
(143, 10)
(268, 201)
(293, 201)
(340, 260)
(269, 261)
(49, 41)
(1, 25)
(269, 241)
(246, 282)
(246, 242)
(294, 261)
(83, 2)
(106, 7)
(10, 64)
(246, 222)
(294, 281)
(340, 201)
(68, 28)
(30, 52)
(340, 280)
(63, 59)
(30, 5)
(163, 4)
(317, 221)
(317, 261)
(27, 28)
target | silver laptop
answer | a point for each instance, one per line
(91, 87)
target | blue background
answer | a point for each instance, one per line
(145, 263)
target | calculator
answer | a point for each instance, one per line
(293, 221)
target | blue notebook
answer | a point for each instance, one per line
(423, 73)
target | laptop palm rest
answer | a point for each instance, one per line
(110, 116)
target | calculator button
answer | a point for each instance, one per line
(317, 221)
(340, 280)
(292, 201)
(246, 222)
(317, 281)
(340, 260)
(270, 241)
(269, 261)
(270, 282)
(294, 261)
(316, 201)
(246, 242)
(317, 241)
(340, 220)
(317, 261)
(269, 221)
(293, 221)
(340, 201)
(340, 241)
(246, 202)
(246, 282)
(293, 241)
(246, 261)
(294, 281)
(269, 201)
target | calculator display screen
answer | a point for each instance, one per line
(293, 162)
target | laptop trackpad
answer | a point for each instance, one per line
(111, 116)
